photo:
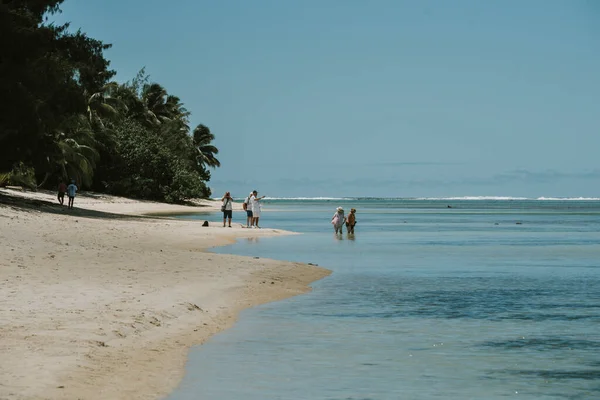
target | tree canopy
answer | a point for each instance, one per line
(64, 118)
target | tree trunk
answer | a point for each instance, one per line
(44, 180)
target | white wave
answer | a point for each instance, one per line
(508, 198)
(569, 198)
(309, 198)
(474, 198)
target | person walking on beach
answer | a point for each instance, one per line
(227, 208)
(62, 188)
(71, 191)
(351, 221)
(255, 201)
(338, 220)
(247, 206)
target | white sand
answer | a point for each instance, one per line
(96, 305)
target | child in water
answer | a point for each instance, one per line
(338, 220)
(351, 221)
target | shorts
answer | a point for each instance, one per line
(61, 195)
(227, 214)
(249, 213)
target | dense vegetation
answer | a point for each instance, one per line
(62, 117)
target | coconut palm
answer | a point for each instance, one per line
(105, 105)
(205, 151)
(174, 108)
(77, 160)
(74, 151)
(154, 98)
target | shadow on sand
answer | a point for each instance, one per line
(24, 204)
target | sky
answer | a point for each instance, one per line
(382, 98)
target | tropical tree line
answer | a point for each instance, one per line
(63, 116)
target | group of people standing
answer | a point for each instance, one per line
(339, 220)
(251, 205)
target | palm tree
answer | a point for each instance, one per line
(77, 161)
(174, 108)
(133, 105)
(104, 109)
(105, 105)
(176, 112)
(154, 98)
(74, 151)
(205, 151)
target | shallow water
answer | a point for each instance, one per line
(425, 302)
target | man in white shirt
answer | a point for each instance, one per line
(255, 201)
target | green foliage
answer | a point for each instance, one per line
(44, 72)
(143, 162)
(146, 167)
(4, 178)
(20, 175)
(64, 118)
(186, 184)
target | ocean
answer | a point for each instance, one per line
(456, 298)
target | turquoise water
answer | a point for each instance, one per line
(487, 299)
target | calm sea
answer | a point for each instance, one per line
(485, 299)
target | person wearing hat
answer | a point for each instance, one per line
(338, 220)
(351, 221)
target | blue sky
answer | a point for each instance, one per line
(375, 98)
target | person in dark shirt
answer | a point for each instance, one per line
(351, 221)
(62, 188)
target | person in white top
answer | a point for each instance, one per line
(227, 208)
(255, 201)
(338, 220)
(247, 206)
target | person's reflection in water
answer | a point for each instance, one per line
(351, 236)
(252, 240)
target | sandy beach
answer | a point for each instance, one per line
(102, 302)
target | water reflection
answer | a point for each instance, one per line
(252, 240)
(340, 236)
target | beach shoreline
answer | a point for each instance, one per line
(103, 301)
